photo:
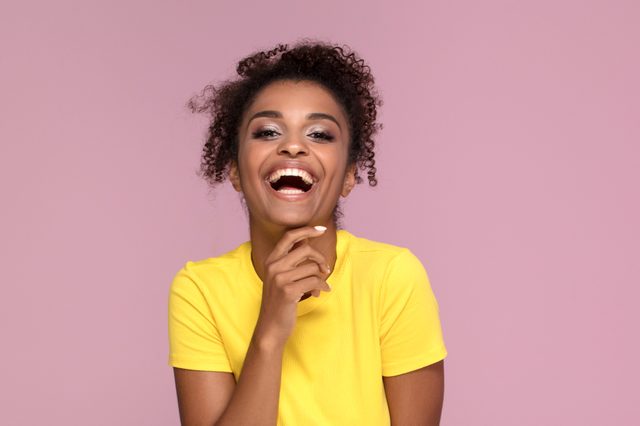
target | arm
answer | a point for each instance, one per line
(255, 399)
(202, 395)
(213, 398)
(415, 398)
(412, 346)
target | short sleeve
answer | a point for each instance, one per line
(194, 340)
(410, 330)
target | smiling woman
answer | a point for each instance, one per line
(248, 342)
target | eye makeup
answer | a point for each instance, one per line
(323, 135)
(268, 133)
(261, 133)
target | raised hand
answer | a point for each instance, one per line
(292, 269)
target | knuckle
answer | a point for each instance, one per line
(270, 268)
(312, 253)
(279, 279)
(307, 250)
(317, 271)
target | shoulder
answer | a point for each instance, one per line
(203, 272)
(382, 260)
(369, 251)
(365, 247)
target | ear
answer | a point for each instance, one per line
(349, 180)
(234, 176)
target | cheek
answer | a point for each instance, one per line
(250, 159)
(336, 164)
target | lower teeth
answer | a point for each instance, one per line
(291, 191)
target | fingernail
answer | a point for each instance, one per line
(328, 269)
(320, 228)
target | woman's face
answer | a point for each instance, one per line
(293, 134)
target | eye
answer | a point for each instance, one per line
(264, 133)
(322, 135)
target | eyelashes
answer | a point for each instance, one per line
(266, 133)
(270, 133)
(324, 135)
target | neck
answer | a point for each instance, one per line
(265, 238)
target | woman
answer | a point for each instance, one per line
(248, 343)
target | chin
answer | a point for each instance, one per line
(291, 220)
(293, 223)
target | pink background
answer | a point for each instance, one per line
(508, 163)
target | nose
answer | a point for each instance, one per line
(293, 146)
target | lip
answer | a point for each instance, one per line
(291, 197)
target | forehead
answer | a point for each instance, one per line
(305, 96)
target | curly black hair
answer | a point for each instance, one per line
(337, 68)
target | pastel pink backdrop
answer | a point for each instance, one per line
(508, 163)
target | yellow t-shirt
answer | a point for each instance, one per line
(380, 319)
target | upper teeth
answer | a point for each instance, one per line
(306, 177)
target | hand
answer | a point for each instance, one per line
(291, 269)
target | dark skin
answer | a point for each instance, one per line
(295, 137)
(327, 246)
(416, 397)
(276, 224)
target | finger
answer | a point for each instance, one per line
(308, 285)
(300, 243)
(285, 244)
(304, 271)
(303, 253)
(314, 293)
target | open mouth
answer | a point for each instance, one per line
(291, 185)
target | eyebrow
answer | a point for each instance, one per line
(310, 116)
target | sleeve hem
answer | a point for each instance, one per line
(198, 364)
(397, 368)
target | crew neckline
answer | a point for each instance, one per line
(343, 238)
